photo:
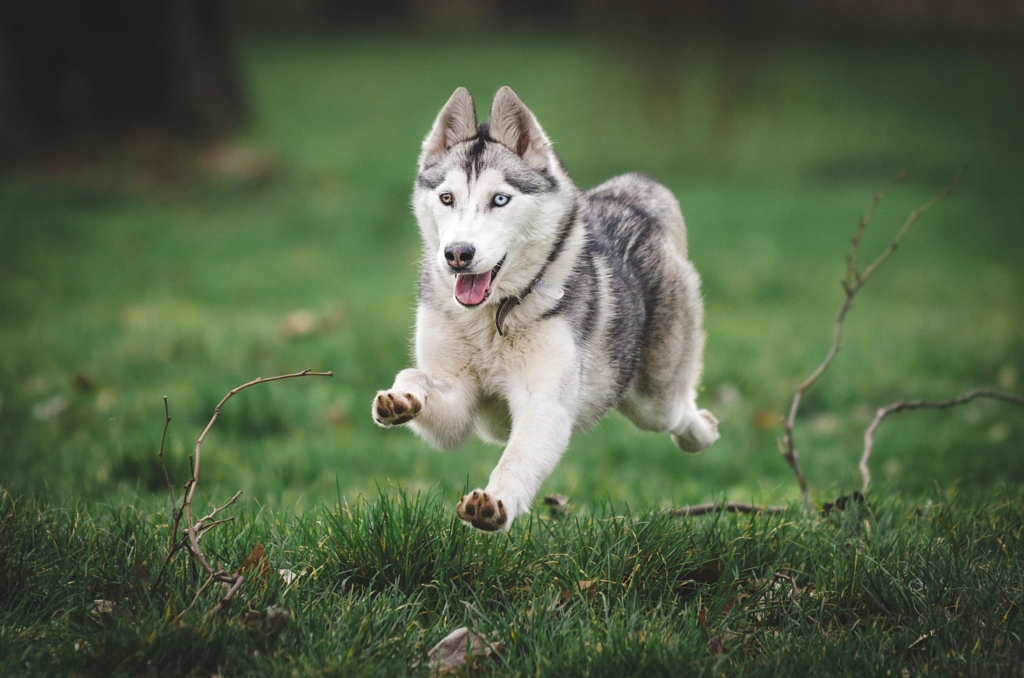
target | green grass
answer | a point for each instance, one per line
(868, 591)
(115, 294)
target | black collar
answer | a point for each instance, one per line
(506, 306)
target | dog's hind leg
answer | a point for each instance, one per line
(439, 410)
(696, 430)
(663, 395)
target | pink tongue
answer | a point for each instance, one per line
(471, 289)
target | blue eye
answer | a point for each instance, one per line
(500, 200)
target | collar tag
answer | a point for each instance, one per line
(548, 290)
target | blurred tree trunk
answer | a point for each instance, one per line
(79, 70)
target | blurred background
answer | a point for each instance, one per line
(195, 193)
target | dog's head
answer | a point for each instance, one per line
(488, 198)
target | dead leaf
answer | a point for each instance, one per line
(100, 606)
(717, 646)
(589, 588)
(558, 503)
(586, 588)
(257, 559)
(460, 648)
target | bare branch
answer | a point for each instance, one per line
(194, 530)
(223, 603)
(730, 507)
(900, 405)
(190, 526)
(852, 283)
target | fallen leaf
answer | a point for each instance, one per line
(586, 588)
(460, 648)
(558, 504)
(257, 559)
(100, 606)
(589, 588)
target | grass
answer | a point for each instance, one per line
(113, 294)
(868, 591)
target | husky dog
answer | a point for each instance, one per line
(541, 307)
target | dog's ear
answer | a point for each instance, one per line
(456, 122)
(513, 125)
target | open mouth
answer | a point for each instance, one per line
(473, 289)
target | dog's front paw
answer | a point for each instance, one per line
(482, 511)
(391, 408)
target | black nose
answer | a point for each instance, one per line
(458, 255)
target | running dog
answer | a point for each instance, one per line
(542, 307)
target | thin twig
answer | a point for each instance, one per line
(194, 530)
(900, 405)
(729, 507)
(223, 603)
(199, 592)
(852, 283)
(167, 476)
(190, 530)
(789, 578)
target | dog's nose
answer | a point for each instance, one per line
(459, 255)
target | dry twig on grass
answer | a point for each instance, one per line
(852, 283)
(900, 405)
(729, 507)
(194, 530)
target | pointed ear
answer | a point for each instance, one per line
(456, 122)
(513, 125)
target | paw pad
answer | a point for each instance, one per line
(391, 408)
(482, 511)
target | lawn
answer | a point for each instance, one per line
(117, 288)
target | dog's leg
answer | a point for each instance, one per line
(696, 430)
(439, 410)
(543, 413)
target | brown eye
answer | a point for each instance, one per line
(447, 199)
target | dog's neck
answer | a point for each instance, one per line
(508, 303)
